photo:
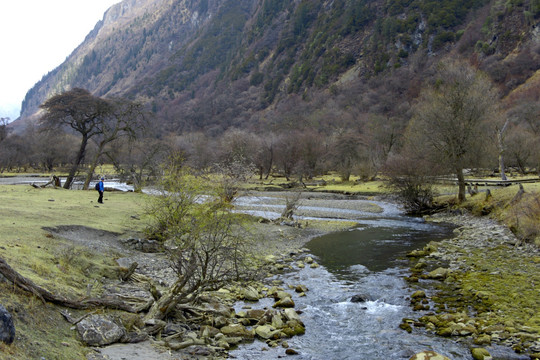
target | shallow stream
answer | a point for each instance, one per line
(367, 260)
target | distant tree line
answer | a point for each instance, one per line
(453, 122)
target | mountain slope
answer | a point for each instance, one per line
(213, 64)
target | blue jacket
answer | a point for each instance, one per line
(101, 186)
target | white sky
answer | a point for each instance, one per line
(35, 37)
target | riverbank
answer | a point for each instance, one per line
(481, 286)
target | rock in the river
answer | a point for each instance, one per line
(291, 352)
(251, 294)
(267, 332)
(291, 314)
(284, 303)
(7, 329)
(480, 354)
(428, 355)
(360, 298)
(255, 314)
(99, 330)
(280, 295)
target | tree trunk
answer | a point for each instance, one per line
(44, 295)
(461, 185)
(167, 302)
(93, 166)
(270, 163)
(77, 162)
(501, 154)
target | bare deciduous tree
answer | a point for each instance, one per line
(82, 112)
(124, 119)
(450, 120)
(90, 116)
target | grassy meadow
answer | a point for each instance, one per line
(55, 264)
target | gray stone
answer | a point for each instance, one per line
(7, 329)
(99, 330)
(277, 321)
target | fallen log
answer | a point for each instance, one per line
(46, 296)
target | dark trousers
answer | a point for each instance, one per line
(100, 199)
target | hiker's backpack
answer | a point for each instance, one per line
(97, 186)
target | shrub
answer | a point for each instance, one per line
(411, 183)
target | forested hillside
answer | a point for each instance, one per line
(212, 64)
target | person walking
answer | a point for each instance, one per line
(100, 187)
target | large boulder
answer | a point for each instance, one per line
(267, 332)
(480, 354)
(255, 314)
(249, 293)
(291, 314)
(7, 329)
(99, 330)
(236, 330)
(284, 303)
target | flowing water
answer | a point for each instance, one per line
(366, 260)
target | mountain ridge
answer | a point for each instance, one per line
(214, 64)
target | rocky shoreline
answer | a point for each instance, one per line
(481, 286)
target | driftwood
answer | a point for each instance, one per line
(181, 345)
(73, 321)
(129, 272)
(55, 181)
(44, 295)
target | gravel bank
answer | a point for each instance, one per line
(483, 286)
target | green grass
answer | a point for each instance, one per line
(104, 169)
(521, 216)
(325, 183)
(54, 263)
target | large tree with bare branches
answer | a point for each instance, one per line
(451, 119)
(93, 118)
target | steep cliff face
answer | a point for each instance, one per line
(133, 38)
(212, 64)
